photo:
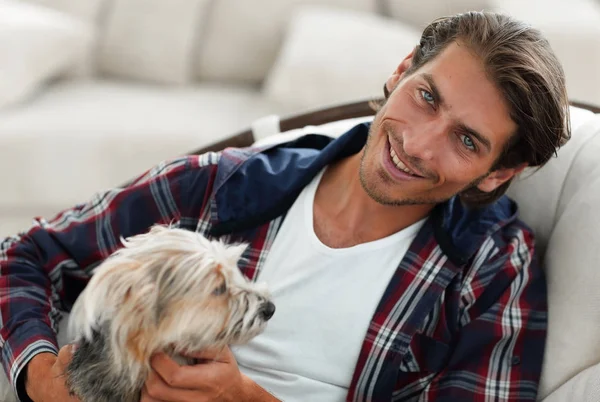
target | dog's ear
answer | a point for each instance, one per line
(120, 294)
(134, 326)
(134, 304)
(235, 252)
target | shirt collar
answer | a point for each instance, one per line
(253, 187)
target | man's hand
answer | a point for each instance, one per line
(216, 378)
(46, 377)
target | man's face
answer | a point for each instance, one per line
(447, 123)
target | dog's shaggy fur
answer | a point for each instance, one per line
(168, 290)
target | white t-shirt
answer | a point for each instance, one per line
(325, 299)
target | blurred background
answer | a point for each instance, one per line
(94, 92)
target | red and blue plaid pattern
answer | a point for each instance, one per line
(444, 330)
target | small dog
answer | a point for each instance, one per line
(168, 290)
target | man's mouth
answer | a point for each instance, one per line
(399, 164)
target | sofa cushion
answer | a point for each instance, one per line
(585, 165)
(152, 40)
(118, 130)
(356, 53)
(333, 129)
(539, 192)
(88, 10)
(584, 387)
(243, 37)
(91, 12)
(573, 278)
(36, 45)
(428, 10)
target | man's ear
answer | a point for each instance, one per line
(397, 75)
(498, 177)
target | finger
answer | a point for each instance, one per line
(170, 373)
(222, 354)
(144, 397)
(156, 389)
(65, 354)
(164, 365)
(185, 377)
(147, 398)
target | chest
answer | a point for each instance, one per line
(333, 232)
(325, 304)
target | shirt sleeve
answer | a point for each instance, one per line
(498, 351)
(35, 264)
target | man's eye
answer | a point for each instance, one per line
(468, 142)
(427, 97)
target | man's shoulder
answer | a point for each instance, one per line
(506, 258)
(469, 231)
(508, 252)
(269, 151)
(514, 240)
(514, 235)
(199, 164)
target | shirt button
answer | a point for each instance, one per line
(515, 361)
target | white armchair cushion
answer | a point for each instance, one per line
(36, 45)
(332, 56)
(333, 129)
(539, 193)
(571, 265)
(586, 164)
(243, 37)
(584, 387)
(152, 40)
(573, 342)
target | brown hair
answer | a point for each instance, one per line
(520, 61)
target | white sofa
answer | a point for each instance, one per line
(124, 84)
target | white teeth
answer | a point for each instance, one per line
(399, 163)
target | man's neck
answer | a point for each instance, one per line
(345, 215)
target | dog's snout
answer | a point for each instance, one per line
(267, 310)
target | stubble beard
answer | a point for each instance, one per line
(370, 185)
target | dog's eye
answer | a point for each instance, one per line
(220, 290)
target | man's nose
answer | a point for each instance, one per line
(423, 141)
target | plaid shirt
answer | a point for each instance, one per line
(462, 319)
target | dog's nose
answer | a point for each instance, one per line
(267, 310)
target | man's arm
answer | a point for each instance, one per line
(34, 265)
(499, 348)
(255, 393)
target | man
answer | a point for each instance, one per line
(399, 270)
